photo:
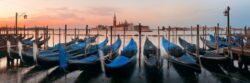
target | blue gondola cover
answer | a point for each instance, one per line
(62, 58)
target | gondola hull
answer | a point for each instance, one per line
(123, 71)
(184, 62)
(205, 56)
(152, 59)
(14, 54)
(123, 65)
(28, 59)
(153, 70)
(48, 61)
(3, 53)
(93, 65)
(187, 68)
(92, 62)
(215, 60)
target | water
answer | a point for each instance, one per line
(34, 74)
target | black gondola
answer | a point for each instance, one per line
(206, 56)
(152, 59)
(184, 62)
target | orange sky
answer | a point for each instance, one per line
(78, 13)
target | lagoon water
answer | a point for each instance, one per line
(35, 74)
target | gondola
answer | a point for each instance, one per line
(53, 60)
(211, 45)
(3, 53)
(14, 50)
(31, 41)
(213, 38)
(22, 36)
(221, 42)
(12, 39)
(28, 39)
(73, 41)
(238, 41)
(92, 62)
(206, 56)
(39, 42)
(191, 48)
(124, 63)
(182, 60)
(152, 59)
(29, 58)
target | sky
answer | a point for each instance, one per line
(79, 13)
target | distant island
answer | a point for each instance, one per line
(123, 26)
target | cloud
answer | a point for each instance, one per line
(103, 11)
(64, 15)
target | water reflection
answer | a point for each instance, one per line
(56, 74)
(187, 77)
(87, 76)
(36, 70)
(123, 76)
(217, 71)
(153, 75)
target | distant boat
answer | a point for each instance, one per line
(124, 63)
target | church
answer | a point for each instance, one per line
(124, 25)
(128, 26)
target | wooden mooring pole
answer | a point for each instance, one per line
(140, 47)
(203, 32)
(205, 35)
(59, 35)
(65, 33)
(176, 35)
(198, 44)
(245, 30)
(169, 28)
(53, 35)
(184, 32)
(106, 33)
(24, 30)
(87, 35)
(124, 33)
(111, 35)
(75, 33)
(191, 34)
(86, 29)
(217, 37)
(158, 49)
